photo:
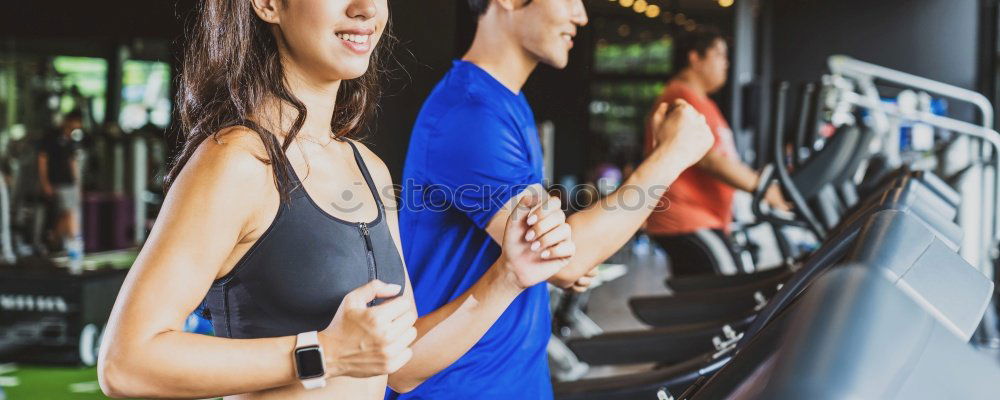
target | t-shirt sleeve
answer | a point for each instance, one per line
(702, 106)
(478, 162)
(713, 125)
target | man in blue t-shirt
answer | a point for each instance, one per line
(474, 149)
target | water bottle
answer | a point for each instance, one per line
(641, 246)
(74, 252)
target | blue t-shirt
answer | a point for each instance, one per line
(474, 147)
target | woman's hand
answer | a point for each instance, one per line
(364, 341)
(537, 241)
(777, 201)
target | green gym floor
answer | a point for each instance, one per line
(45, 383)
(21, 382)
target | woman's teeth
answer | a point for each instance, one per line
(353, 38)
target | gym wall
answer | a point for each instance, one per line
(425, 50)
(929, 38)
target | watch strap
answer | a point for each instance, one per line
(307, 339)
(304, 339)
(314, 383)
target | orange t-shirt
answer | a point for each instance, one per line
(696, 200)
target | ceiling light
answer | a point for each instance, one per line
(653, 11)
(640, 6)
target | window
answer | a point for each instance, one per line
(87, 75)
(145, 94)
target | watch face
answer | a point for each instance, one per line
(309, 362)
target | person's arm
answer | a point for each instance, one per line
(447, 333)
(740, 176)
(583, 283)
(601, 229)
(209, 209)
(730, 172)
(43, 173)
(145, 352)
(73, 163)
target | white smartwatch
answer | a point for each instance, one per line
(309, 365)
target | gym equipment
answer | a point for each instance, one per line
(822, 181)
(815, 178)
(854, 85)
(839, 97)
(659, 344)
(568, 317)
(925, 184)
(6, 245)
(694, 318)
(904, 229)
(883, 343)
(48, 315)
(109, 221)
(947, 291)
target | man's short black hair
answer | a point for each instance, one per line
(698, 40)
(479, 7)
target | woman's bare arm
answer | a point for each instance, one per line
(145, 352)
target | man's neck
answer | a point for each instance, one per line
(692, 81)
(500, 56)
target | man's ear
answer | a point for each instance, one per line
(693, 56)
(266, 10)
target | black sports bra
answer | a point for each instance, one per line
(293, 279)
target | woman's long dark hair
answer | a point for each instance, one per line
(232, 68)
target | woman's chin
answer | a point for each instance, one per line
(348, 71)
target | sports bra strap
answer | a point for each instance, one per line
(365, 173)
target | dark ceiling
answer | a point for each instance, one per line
(106, 18)
(686, 6)
(165, 18)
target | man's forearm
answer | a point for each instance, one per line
(601, 229)
(450, 331)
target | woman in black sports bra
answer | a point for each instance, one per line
(289, 226)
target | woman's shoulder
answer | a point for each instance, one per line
(378, 170)
(375, 165)
(235, 156)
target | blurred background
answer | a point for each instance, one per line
(115, 62)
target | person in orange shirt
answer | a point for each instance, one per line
(691, 222)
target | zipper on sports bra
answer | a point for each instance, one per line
(370, 255)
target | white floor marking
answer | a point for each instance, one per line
(85, 387)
